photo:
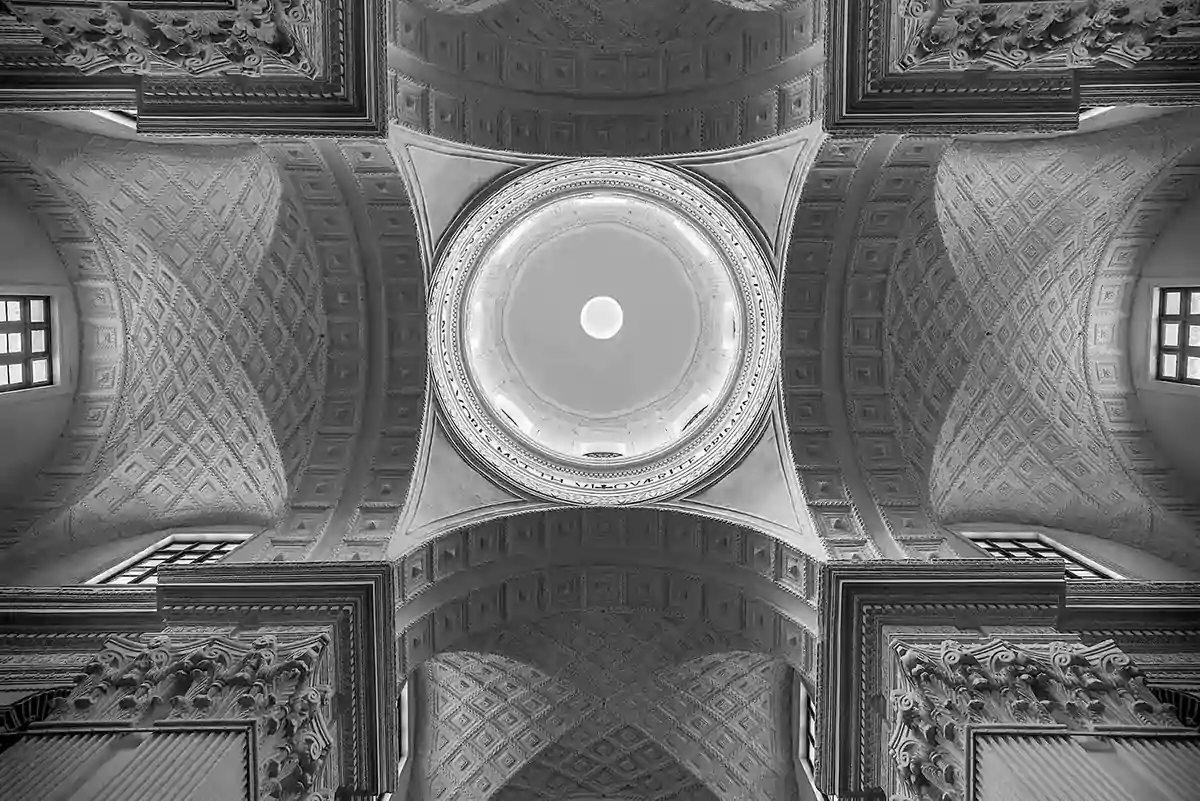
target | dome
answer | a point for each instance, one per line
(603, 331)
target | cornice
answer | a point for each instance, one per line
(860, 598)
(867, 93)
(345, 98)
(355, 599)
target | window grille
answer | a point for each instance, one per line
(1177, 349)
(1027, 548)
(174, 550)
(25, 342)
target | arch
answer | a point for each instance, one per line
(606, 78)
(1025, 224)
(863, 207)
(471, 581)
(765, 618)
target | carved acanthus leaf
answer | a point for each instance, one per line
(253, 36)
(219, 678)
(944, 691)
(1011, 35)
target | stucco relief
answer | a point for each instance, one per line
(1026, 226)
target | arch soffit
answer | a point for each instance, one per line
(853, 222)
(611, 79)
(354, 207)
(1071, 211)
(472, 582)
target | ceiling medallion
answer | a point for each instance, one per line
(604, 332)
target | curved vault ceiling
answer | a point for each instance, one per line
(1026, 437)
(605, 703)
(604, 77)
(222, 324)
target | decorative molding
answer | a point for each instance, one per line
(312, 67)
(252, 38)
(868, 91)
(965, 33)
(354, 601)
(605, 78)
(946, 691)
(482, 431)
(171, 681)
(854, 672)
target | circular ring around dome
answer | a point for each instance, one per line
(683, 378)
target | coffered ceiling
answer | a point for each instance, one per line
(605, 77)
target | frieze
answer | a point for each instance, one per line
(185, 69)
(869, 92)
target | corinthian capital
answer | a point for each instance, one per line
(251, 37)
(1011, 35)
(218, 678)
(944, 691)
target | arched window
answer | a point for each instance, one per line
(183, 548)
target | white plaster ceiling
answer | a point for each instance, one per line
(221, 322)
(605, 77)
(542, 708)
(1026, 227)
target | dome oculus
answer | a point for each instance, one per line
(610, 307)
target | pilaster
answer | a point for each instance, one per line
(281, 677)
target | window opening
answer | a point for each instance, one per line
(32, 706)
(25, 334)
(175, 550)
(1187, 704)
(1027, 548)
(1177, 353)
